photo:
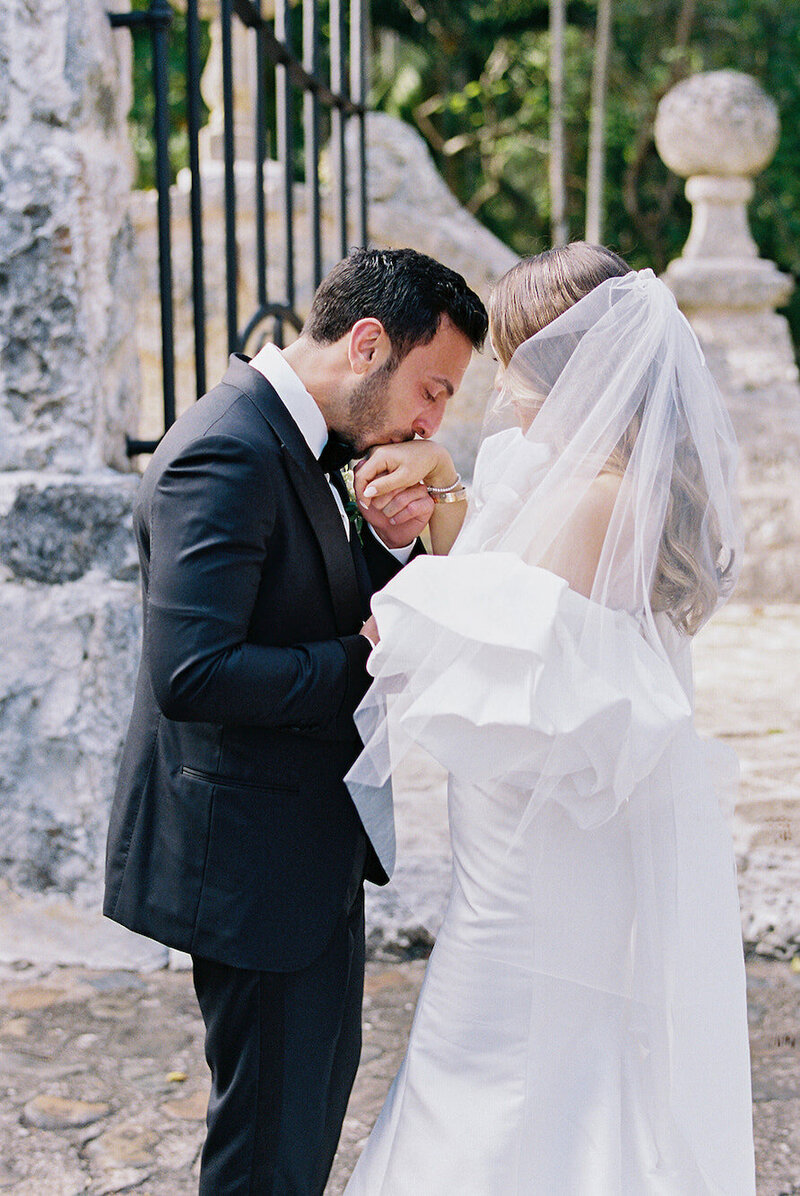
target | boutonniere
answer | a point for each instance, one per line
(351, 506)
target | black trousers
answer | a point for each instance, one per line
(283, 1049)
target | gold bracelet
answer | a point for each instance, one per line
(451, 496)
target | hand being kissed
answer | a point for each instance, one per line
(391, 488)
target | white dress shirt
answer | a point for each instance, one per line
(301, 405)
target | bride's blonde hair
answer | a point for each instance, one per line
(529, 297)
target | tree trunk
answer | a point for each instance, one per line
(650, 225)
(596, 168)
(558, 217)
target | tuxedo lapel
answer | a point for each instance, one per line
(312, 489)
(359, 560)
(314, 493)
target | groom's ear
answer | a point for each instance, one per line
(368, 346)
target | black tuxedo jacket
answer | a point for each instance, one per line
(232, 834)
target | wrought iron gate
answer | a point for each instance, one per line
(342, 94)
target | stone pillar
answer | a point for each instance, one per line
(718, 130)
(69, 387)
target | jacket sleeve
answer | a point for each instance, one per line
(382, 565)
(211, 519)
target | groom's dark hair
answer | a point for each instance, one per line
(407, 291)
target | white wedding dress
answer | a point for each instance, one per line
(582, 1029)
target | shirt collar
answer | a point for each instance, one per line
(301, 405)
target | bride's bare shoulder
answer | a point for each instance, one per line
(606, 483)
(593, 512)
(576, 552)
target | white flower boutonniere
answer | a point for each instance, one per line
(351, 506)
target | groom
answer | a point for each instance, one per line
(232, 833)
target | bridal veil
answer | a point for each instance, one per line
(615, 390)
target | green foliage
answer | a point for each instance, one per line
(472, 76)
(142, 112)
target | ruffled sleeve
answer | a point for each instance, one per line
(508, 677)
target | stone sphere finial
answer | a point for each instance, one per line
(718, 130)
(717, 123)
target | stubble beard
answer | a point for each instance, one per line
(362, 425)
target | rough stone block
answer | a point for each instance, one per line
(55, 528)
(67, 676)
(68, 371)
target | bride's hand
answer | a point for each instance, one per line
(393, 468)
(405, 515)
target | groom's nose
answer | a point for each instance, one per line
(427, 424)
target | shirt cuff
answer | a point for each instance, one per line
(403, 555)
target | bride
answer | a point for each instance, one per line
(582, 1029)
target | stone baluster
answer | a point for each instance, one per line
(243, 56)
(718, 130)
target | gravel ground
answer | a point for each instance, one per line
(105, 1083)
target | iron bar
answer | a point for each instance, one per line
(135, 447)
(231, 267)
(260, 156)
(196, 198)
(159, 33)
(311, 134)
(278, 311)
(284, 112)
(358, 89)
(338, 154)
(159, 14)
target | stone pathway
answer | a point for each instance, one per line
(747, 678)
(105, 1085)
(104, 1081)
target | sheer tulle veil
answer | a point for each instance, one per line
(617, 386)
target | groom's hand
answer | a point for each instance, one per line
(370, 631)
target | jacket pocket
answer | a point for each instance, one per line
(223, 782)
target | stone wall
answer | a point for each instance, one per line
(767, 422)
(70, 619)
(69, 385)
